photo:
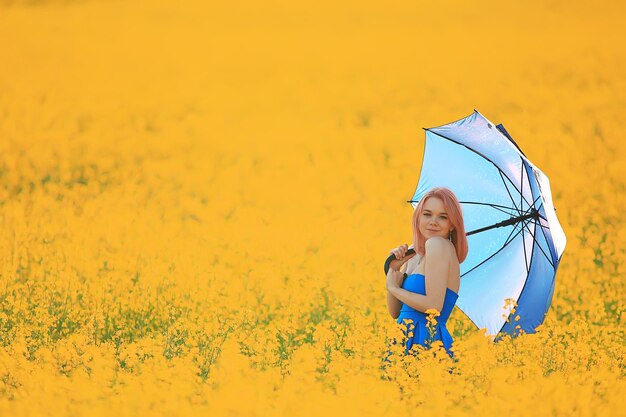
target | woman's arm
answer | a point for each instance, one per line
(393, 304)
(436, 273)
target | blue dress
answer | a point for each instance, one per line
(418, 327)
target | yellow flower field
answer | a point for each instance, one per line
(196, 200)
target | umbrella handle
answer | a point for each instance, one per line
(392, 260)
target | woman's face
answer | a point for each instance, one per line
(434, 220)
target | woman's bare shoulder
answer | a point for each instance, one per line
(436, 242)
(439, 245)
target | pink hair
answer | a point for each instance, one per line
(455, 214)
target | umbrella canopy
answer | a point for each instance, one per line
(515, 239)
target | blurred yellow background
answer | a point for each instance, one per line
(196, 199)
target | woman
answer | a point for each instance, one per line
(433, 273)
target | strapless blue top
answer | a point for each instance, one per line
(417, 283)
(416, 329)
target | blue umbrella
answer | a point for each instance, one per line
(515, 239)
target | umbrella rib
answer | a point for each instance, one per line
(510, 213)
(477, 153)
(506, 241)
(530, 207)
(502, 130)
(542, 231)
(549, 258)
(521, 194)
(486, 204)
(495, 206)
(522, 198)
(498, 251)
(523, 215)
(508, 192)
(524, 247)
(539, 208)
(526, 222)
(525, 165)
(456, 121)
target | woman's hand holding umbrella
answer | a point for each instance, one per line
(398, 257)
(400, 251)
(394, 278)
